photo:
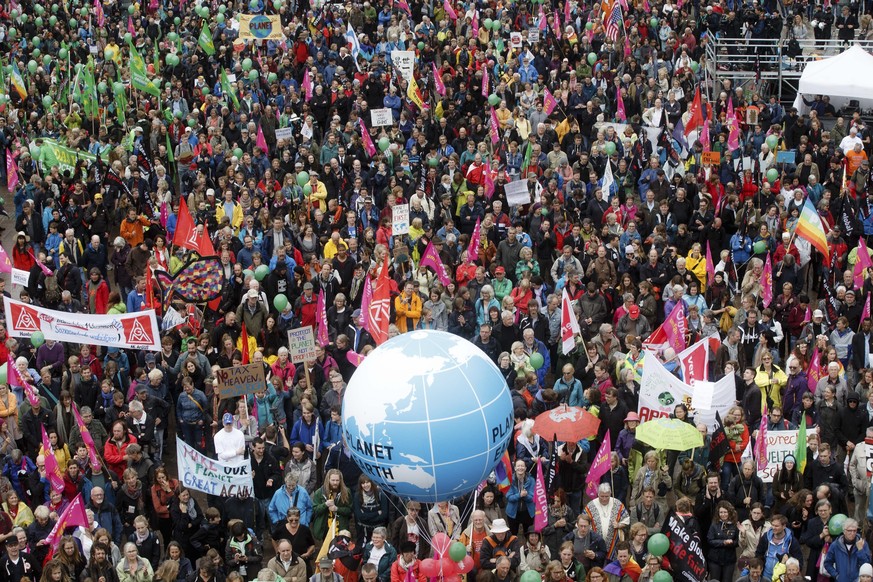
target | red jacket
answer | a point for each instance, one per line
(101, 297)
(116, 456)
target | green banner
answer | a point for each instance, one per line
(205, 40)
(52, 154)
(138, 75)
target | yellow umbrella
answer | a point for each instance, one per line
(669, 433)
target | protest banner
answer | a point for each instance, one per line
(405, 63)
(779, 444)
(301, 345)
(285, 133)
(52, 154)
(869, 443)
(711, 158)
(400, 219)
(240, 380)
(380, 117)
(661, 391)
(130, 331)
(260, 27)
(517, 193)
(686, 557)
(197, 471)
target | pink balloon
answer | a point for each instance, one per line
(440, 543)
(450, 568)
(466, 565)
(454, 578)
(430, 567)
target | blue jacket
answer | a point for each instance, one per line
(513, 497)
(842, 563)
(282, 502)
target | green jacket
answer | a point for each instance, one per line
(320, 515)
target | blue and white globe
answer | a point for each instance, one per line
(427, 416)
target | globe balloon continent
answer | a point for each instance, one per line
(427, 416)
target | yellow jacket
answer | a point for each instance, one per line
(319, 195)
(235, 221)
(407, 313)
(771, 388)
(330, 249)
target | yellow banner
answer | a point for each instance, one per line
(260, 27)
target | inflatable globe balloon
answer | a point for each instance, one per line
(835, 525)
(427, 416)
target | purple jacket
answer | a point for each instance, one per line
(51, 356)
(624, 442)
(798, 385)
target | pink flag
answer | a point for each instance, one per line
(355, 359)
(321, 335)
(543, 21)
(556, 25)
(863, 264)
(675, 327)
(489, 181)
(494, 129)
(88, 440)
(365, 301)
(52, 469)
(98, 10)
(404, 6)
(694, 361)
(566, 10)
(307, 86)
(865, 313)
(165, 214)
(15, 380)
(733, 127)
(814, 372)
(704, 136)
(620, 112)
(450, 12)
(473, 248)
(11, 171)
(627, 48)
(541, 500)
(74, 515)
(761, 442)
(369, 146)
(130, 27)
(475, 23)
(261, 142)
(767, 282)
(710, 266)
(431, 258)
(549, 101)
(45, 270)
(599, 467)
(438, 81)
(5, 263)
(569, 324)
(485, 82)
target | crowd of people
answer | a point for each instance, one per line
(647, 190)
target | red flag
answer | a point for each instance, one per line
(696, 110)
(261, 141)
(74, 515)
(694, 361)
(321, 334)
(186, 230)
(569, 324)
(599, 467)
(206, 249)
(549, 101)
(710, 266)
(93, 459)
(380, 306)
(149, 291)
(367, 141)
(244, 338)
(767, 282)
(814, 372)
(675, 327)
(52, 469)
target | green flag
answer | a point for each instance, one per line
(157, 59)
(526, 162)
(138, 75)
(170, 157)
(205, 40)
(227, 89)
(89, 96)
(800, 451)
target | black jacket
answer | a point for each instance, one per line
(263, 471)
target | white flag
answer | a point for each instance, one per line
(569, 324)
(607, 181)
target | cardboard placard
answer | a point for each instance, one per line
(517, 193)
(380, 117)
(712, 158)
(301, 345)
(400, 219)
(240, 380)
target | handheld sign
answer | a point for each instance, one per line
(224, 479)
(240, 380)
(400, 219)
(712, 158)
(301, 345)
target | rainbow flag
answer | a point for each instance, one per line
(503, 472)
(18, 81)
(810, 228)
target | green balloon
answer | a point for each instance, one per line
(39, 9)
(759, 248)
(658, 545)
(47, 101)
(695, 66)
(261, 272)
(589, 26)
(457, 551)
(496, 25)
(253, 75)
(384, 143)
(131, 9)
(488, 23)
(173, 36)
(530, 576)
(37, 339)
(536, 360)
(35, 53)
(302, 179)
(238, 153)
(662, 576)
(772, 175)
(277, 5)
(192, 122)
(222, 9)
(272, 77)
(420, 46)
(609, 148)
(32, 66)
(38, 22)
(74, 24)
(219, 18)
(772, 141)
(53, 21)
(307, 189)
(247, 64)
(494, 100)
(46, 60)
(55, 8)
(280, 302)
(592, 58)
(83, 12)
(11, 33)
(177, 21)
(254, 5)
(35, 41)
(3, 373)
(102, 87)
(248, 273)
(653, 22)
(205, 90)
(63, 53)
(433, 162)
(172, 60)
(118, 87)
(14, 14)
(835, 525)
(127, 38)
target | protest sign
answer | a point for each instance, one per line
(197, 471)
(515, 39)
(130, 331)
(301, 345)
(20, 277)
(380, 117)
(786, 157)
(240, 380)
(285, 133)
(533, 35)
(400, 219)
(517, 193)
(711, 158)
(405, 63)
(779, 444)
(260, 27)
(686, 557)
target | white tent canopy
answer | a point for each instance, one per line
(846, 76)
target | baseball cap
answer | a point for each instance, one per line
(227, 418)
(817, 313)
(633, 311)
(252, 294)
(499, 271)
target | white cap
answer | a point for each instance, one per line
(817, 313)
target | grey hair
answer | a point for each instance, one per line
(604, 488)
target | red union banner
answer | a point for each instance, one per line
(128, 331)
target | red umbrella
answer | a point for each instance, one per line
(566, 423)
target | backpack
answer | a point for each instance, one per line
(52, 294)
